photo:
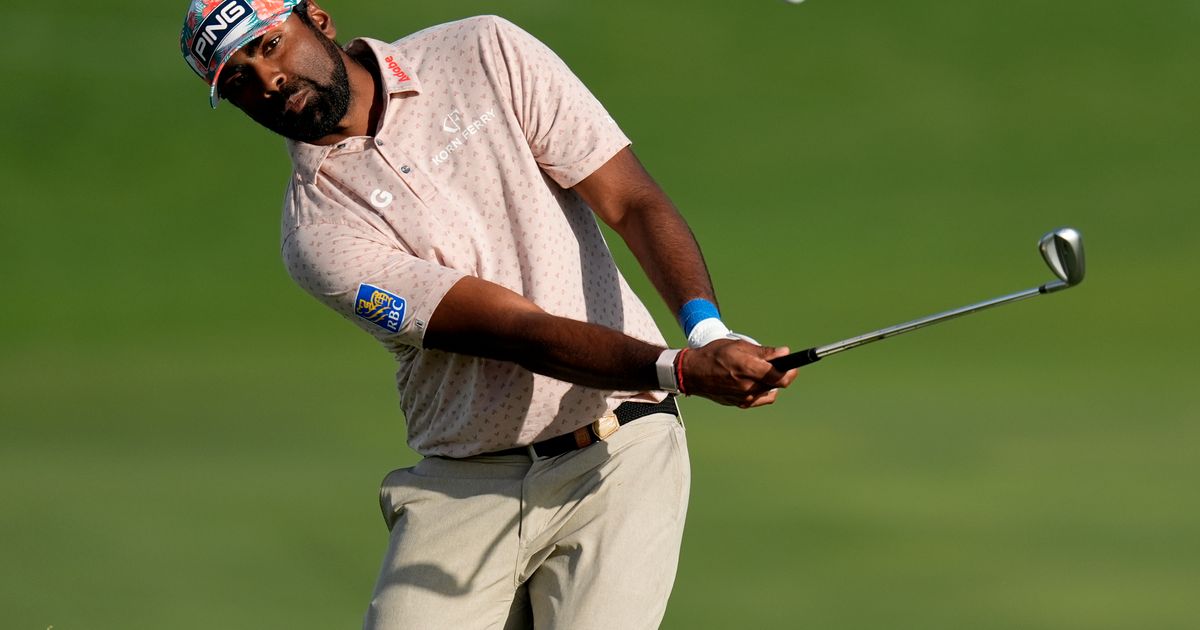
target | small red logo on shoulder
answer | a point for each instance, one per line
(399, 72)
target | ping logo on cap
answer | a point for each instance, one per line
(217, 26)
(379, 307)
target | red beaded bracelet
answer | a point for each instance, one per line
(679, 371)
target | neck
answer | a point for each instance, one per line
(366, 102)
(377, 98)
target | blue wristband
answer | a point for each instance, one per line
(696, 311)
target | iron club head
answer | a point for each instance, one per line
(1063, 251)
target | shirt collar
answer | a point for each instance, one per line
(394, 67)
(398, 78)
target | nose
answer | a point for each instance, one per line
(270, 77)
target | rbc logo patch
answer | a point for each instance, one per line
(379, 307)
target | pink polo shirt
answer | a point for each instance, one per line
(485, 132)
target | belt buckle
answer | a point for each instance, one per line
(605, 425)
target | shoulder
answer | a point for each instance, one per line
(452, 48)
(465, 31)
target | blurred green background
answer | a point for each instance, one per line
(189, 441)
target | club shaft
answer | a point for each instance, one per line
(899, 329)
(811, 355)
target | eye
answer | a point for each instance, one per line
(270, 45)
(233, 83)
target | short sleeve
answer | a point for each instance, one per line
(569, 132)
(384, 290)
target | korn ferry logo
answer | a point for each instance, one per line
(219, 25)
(453, 122)
(464, 128)
(379, 307)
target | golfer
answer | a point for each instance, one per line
(444, 197)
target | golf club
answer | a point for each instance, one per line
(1063, 251)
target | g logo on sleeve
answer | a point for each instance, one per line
(379, 307)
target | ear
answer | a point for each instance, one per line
(322, 20)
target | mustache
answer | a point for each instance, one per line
(290, 89)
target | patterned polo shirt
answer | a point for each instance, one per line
(484, 134)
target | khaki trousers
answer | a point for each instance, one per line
(588, 539)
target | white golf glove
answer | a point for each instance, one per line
(712, 329)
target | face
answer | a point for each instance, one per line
(292, 80)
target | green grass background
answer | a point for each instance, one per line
(188, 441)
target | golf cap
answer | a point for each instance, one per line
(215, 29)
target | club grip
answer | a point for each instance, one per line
(795, 360)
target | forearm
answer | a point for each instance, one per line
(625, 197)
(482, 319)
(586, 354)
(667, 250)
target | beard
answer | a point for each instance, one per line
(327, 103)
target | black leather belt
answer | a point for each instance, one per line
(625, 413)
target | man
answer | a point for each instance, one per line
(443, 198)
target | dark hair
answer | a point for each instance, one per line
(301, 11)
